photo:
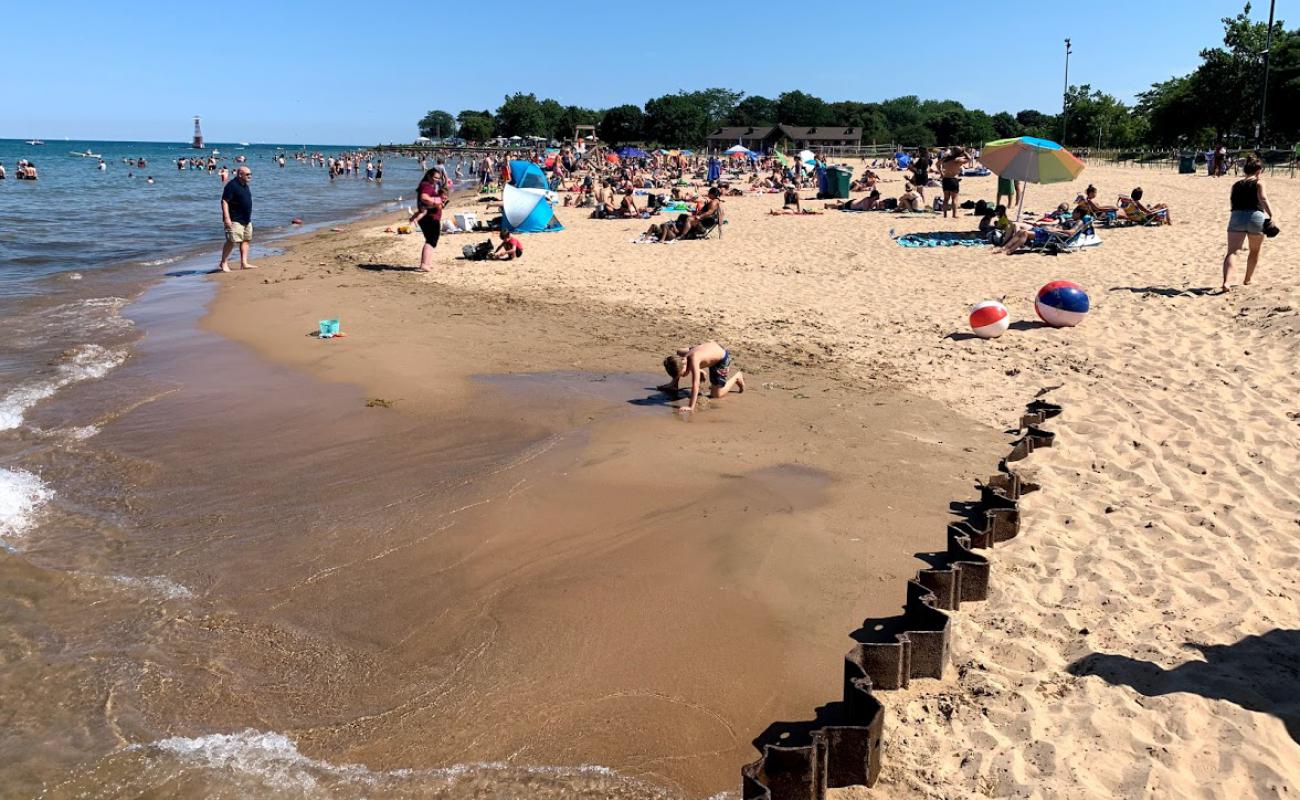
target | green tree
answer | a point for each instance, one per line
(1036, 123)
(718, 103)
(521, 115)
(552, 113)
(621, 124)
(437, 124)
(677, 119)
(754, 110)
(572, 117)
(476, 126)
(797, 108)
(1005, 125)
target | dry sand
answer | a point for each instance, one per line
(1165, 538)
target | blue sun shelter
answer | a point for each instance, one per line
(528, 204)
(528, 211)
(527, 175)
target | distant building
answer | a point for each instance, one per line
(764, 138)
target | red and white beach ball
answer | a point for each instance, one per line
(1062, 304)
(989, 319)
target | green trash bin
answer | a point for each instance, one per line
(1187, 164)
(838, 180)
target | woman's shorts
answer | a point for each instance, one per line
(951, 184)
(1251, 222)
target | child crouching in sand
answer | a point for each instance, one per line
(704, 362)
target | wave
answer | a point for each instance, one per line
(84, 362)
(154, 584)
(21, 495)
(252, 763)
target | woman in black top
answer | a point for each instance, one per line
(1250, 212)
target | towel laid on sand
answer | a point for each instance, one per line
(943, 239)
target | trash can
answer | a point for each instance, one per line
(838, 180)
(1187, 164)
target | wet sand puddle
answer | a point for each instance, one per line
(262, 586)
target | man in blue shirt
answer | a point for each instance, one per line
(237, 215)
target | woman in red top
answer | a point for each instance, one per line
(431, 196)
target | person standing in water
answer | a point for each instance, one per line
(237, 216)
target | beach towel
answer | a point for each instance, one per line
(942, 239)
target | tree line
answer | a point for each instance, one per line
(1218, 101)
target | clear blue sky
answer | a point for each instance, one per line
(350, 73)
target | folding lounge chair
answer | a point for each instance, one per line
(1133, 215)
(710, 231)
(1082, 237)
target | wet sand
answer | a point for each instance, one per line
(519, 573)
(615, 586)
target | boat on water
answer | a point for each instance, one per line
(243, 144)
(86, 154)
(35, 142)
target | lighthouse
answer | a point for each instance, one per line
(197, 144)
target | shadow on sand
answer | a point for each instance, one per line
(1258, 673)
(388, 268)
(1165, 291)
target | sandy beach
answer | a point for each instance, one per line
(1140, 638)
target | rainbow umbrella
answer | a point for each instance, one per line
(1026, 158)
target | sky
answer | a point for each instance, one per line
(330, 72)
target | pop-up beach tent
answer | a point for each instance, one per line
(527, 175)
(528, 210)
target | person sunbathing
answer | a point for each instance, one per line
(867, 184)
(1088, 203)
(1140, 213)
(869, 203)
(911, 200)
(627, 208)
(668, 231)
(707, 216)
(1022, 234)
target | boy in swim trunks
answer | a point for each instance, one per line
(951, 168)
(703, 362)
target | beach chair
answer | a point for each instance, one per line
(1074, 241)
(716, 229)
(1133, 215)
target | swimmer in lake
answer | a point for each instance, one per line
(709, 362)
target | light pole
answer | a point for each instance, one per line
(1065, 94)
(1263, 94)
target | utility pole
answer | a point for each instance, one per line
(1263, 94)
(1065, 95)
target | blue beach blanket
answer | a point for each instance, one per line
(942, 239)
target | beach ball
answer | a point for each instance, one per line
(1062, 304)
(989, 319)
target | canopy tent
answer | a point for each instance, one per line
(528, 211)
(632, 152)
(1030, 159)
(527, 175)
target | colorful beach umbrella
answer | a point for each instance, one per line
(782, 158)
(1029, 159)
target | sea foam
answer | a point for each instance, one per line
(21, 496)
(84, 362)
(273, 760)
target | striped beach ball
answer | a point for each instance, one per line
(989, 319)
(1062, 304)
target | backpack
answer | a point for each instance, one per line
(477, 252)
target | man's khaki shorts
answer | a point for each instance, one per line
(237, 233)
